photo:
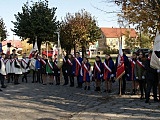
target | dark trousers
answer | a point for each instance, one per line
(16, 77)
(79, 82)
(151, 84)
(71, 80)
(2, 79)
(142, 86)
(123, 84)
(57, 80)
(65, 75)
(39, 75)
(24, 77)
(33, 75)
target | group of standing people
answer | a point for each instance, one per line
(137, 69)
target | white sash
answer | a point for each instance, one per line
(140, 63)
(69, 62)
(86, 67)
(97, 67)
(50, 65)
(78, 61)
(106, 66)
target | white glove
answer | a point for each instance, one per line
(112, 75)
(101, 75)
(158, 71)
(128, 75)
(90, 73)
(66, 71)
(143, 77)
(136, 77)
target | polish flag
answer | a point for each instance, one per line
(33, 51)
(120, 66)
(8, 51)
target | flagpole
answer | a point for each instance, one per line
(120, 80)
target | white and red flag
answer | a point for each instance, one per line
(33, 50)
(120, 66)
(8, 51)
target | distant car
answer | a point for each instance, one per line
(144, 50)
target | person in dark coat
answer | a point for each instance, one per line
(98, 72)
(70, 70)
(151, 80)
(64, 69)
(108, 72)
(139, 71)
(56, 70)
(77, 67)
(127, 66)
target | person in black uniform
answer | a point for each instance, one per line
(43, 69)
(56, 70)
(127, 66)
(70, 70)
(64, 70)
(151, 80)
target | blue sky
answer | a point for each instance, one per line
(10, 7)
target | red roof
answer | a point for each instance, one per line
(117, 32)
(14, 43)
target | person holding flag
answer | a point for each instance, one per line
(139, 71)
(108, 72)
(122, 69)
(85, 73)
(98, 72)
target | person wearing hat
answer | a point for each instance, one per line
(13, 52)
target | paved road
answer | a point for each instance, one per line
(34, 101)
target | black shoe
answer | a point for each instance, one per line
(109, 91)
(1, 90)
(85, 88)
(71, 85)
(105, 91)
(57, 83)
(65, 84)
(3, 86)
(88, 87)
(142, 97)
(156, 100)
(16, 83)
(147, 101)
(44, 84)
(32, 81)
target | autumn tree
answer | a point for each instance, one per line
(36, 21)
(3, 31)
(80, 28)
(141, 12)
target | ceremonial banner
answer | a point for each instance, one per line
(33, 50)
(155, 58)
(120, 66)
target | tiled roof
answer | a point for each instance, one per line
(117, 32)
(14, 43)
